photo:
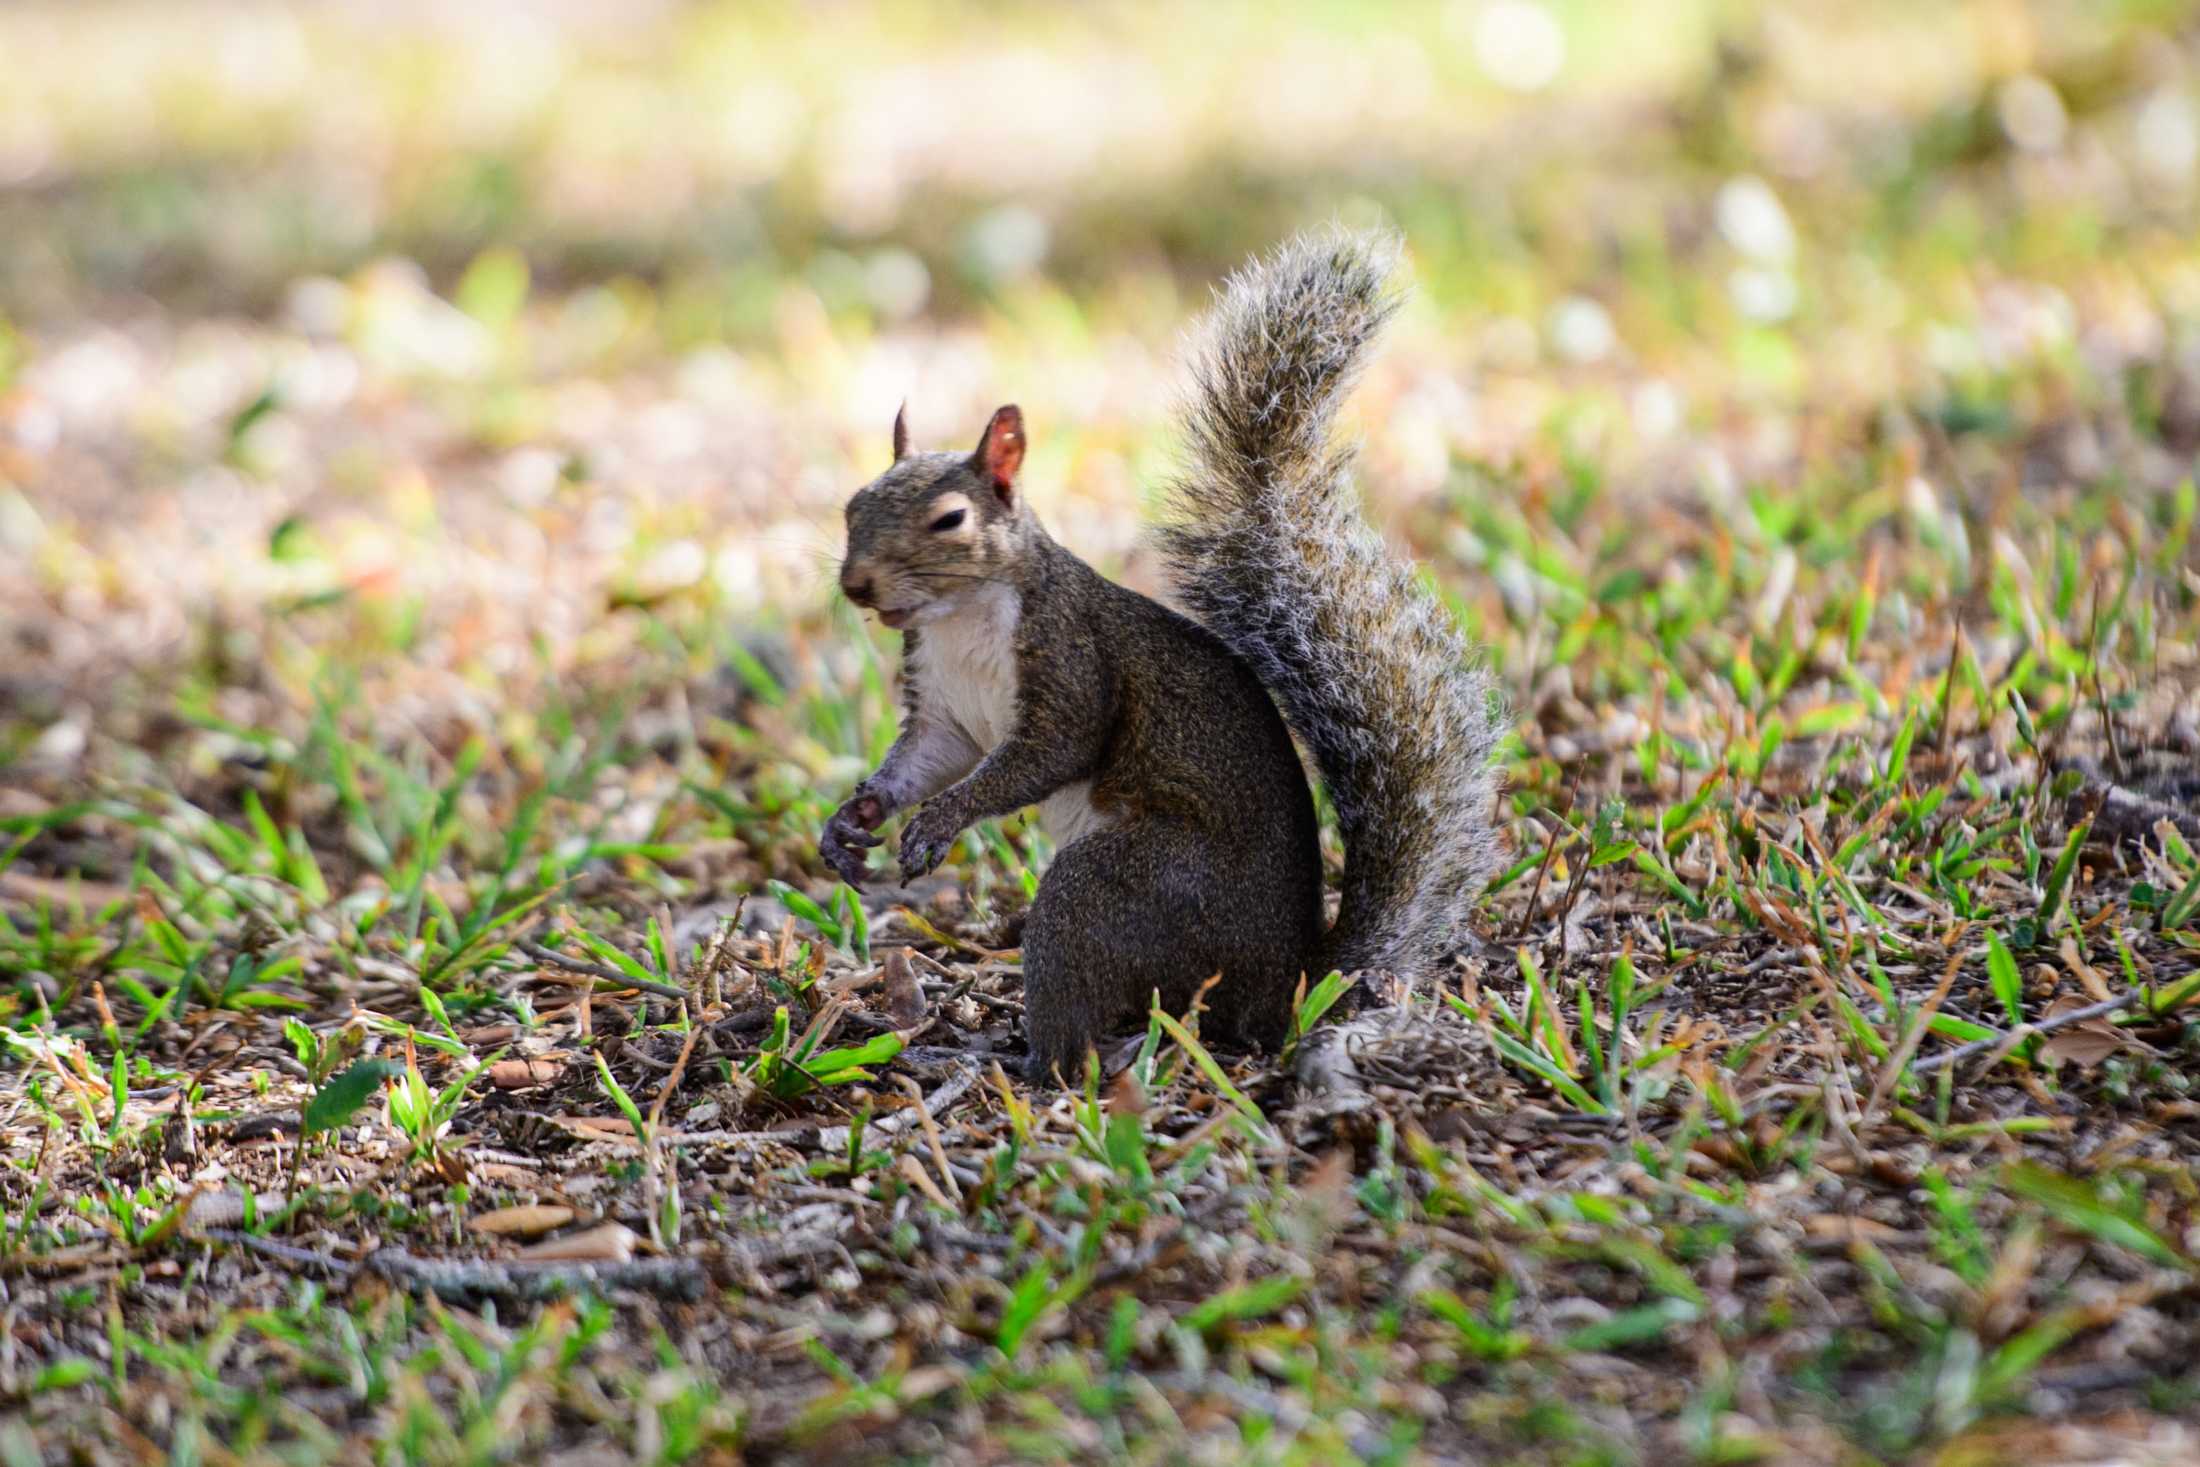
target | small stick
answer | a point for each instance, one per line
(672, 1081)
(982, 1000)
(456, 1279)
(931, 1135)
(2023, 1032)
(949, 1092)
(288, 1253)
(959, 986)
(925, 929)
(557, 959)
(2100, 694)
(1535, 892)
(1891, 1071)
(1948, 692)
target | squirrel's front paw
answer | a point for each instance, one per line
(925, 841)
(848, 835)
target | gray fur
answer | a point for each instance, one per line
(1189, 846)
(1266, 548)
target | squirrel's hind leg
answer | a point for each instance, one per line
(1142, 908)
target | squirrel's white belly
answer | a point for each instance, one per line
(968, 662)
(1069, 813)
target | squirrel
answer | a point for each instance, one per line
(1187, 842)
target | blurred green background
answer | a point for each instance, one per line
(478, 348)
(696, 254)
(460, 328)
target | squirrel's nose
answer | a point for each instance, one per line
(856, 586)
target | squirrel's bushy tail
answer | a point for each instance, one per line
(1266, 546)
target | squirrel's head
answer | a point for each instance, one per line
(936, 527)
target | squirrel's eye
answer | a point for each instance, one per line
(949, 520)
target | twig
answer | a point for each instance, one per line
(456, 1279)
(931, 1134)
(288, 1253)
(672, 1081)
(2023, 1032)
(938, 1103)
(746, 1021)
(924, 929)
(940, 1236)
(1535, 892)
(792, 1136)
(1891, 1071)
(1948, 692)
(746, 1261)
(714, 961)
(2100, 694)
(571, 964)
(835, 1138)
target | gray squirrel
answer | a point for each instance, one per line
(1186, 834)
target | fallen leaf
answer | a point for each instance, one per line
(507, 1175)
(606, 1243)
(226, 1209)
(904, 996)
(528, 1220)
(2088, 977)
(1325, 1194)
(2084, 1044)
(913, 1170)
(926, 1381)
(1126, 1097)
(594, 1128)
(523, 1074)
(66, 892)
(1845, 1228)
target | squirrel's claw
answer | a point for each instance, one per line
(920, 859)
(846, 838)
(847, 864)
(925, 842)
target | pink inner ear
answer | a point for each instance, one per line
(1003, 451)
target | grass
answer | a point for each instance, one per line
(420, 693)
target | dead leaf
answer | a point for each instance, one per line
(66, 892)
(926, 1381)
(904, 995)
(528, 1220)
(1126, 1097)
(2085, 1043)
(72, 1259)
(595, 1128)
(1846, 1228)
(913, 1170)
(606, 1243)
(524, 1074)
(226, 1209)
(505, 1174)
(2088, 977)
(1325, 1193)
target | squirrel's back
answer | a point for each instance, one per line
(1266, 547)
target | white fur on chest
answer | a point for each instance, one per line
(965, 670)
(965, 665)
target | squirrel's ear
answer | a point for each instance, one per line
(901, 433)
(1000, 452)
